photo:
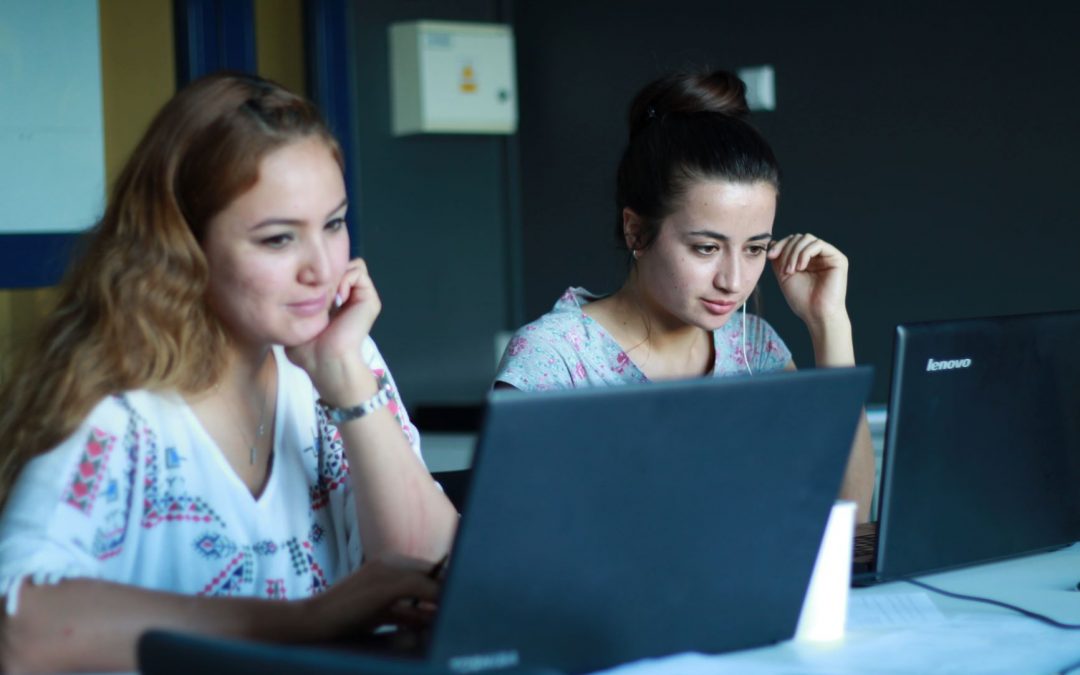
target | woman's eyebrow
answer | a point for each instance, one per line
(710, 234)
(296, 221)
(343, 204)
(276, 221)
(723, 237)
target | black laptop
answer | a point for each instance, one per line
(607, 525)
(982, 444)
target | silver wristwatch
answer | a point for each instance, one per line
(339, 416)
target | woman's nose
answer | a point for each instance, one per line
(728, 275)
(315, 265)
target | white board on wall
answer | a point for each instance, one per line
(52, 154)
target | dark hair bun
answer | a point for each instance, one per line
(687, 93)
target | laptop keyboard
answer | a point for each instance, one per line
(865, 544)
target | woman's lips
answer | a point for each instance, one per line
(311, 307)
(719, 307)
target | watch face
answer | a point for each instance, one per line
(339, 416)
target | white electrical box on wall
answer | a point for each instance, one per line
(451, 77)
(760, 87)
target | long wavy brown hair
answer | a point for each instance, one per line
(132, 312)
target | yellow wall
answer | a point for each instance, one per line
(279, 42)
(138, 72)
(138, 75)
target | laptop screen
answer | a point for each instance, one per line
(982, 446)
(610, 524)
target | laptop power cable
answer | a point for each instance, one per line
(998, 603)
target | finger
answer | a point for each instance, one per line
(415, 599)
(394, 578)
(790, 247)
(416, 616)
(356, 276)
(791, 255)
(413, 584)
(831, 255)
(797, 260)
(778, 254)
(414, 606)
(359, 292)
(778, 246)
(823, 255)
(807, 253)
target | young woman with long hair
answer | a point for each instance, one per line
(204, 437)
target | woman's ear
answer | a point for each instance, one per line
(631, 227)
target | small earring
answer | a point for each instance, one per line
(636, 253)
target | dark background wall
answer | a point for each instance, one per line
(933, 143)
(431, 214)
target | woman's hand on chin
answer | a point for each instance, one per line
(812, 274)
(332, 358)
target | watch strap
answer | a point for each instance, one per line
(339, 416)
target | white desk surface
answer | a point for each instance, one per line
(936, 635)
(447, 451)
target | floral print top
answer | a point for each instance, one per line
(140, 494)
(566, 348)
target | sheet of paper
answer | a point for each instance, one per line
(967, 645)
(867, 610)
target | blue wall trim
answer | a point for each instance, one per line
(326, 43)
(213, 35)
(34, 260)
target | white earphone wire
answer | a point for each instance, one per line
(745, 355)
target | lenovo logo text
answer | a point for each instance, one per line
(951, 364)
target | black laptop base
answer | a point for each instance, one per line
(173, 653)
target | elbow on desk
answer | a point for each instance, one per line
(35, 638)
(21, 648)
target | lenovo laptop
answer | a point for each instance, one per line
(607, 525)
(982, 443)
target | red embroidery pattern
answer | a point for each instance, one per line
(318, 577)
(275, 589)
(230, 580)
(160, 506)
(109, 543)
(87, 480)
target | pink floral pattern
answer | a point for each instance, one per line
(87, 478)
(566, 348)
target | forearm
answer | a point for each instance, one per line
(400, 509)
(84, 624)
(858, 482)
(833, 348)
(833, 344)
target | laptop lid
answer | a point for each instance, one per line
(982, 447)
(607, 525)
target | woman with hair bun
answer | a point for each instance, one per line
(696, 199)
(205, 437)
